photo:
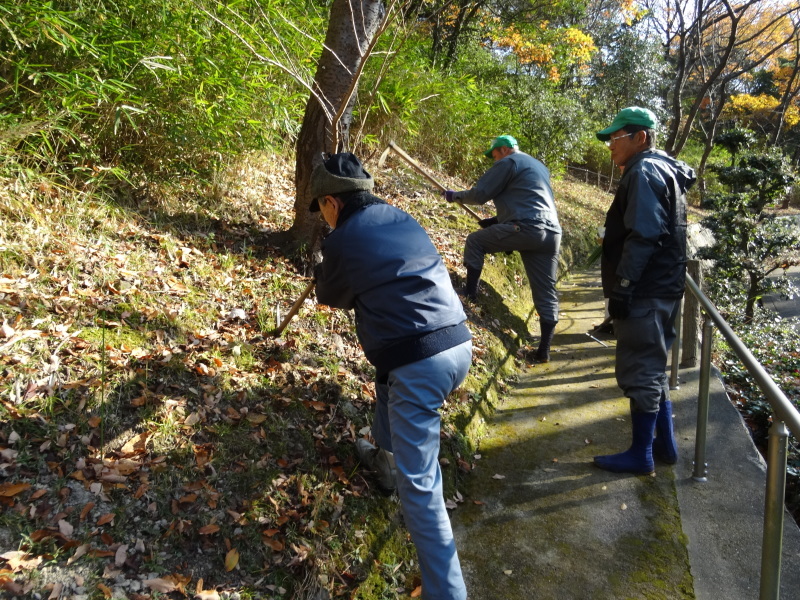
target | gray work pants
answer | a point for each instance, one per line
(643, 343)
(538, 249)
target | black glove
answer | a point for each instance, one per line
(449, 195)
(619, 303)
(318, 272)
(484, 223)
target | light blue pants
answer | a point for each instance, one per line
(407, 422)
(538, 249)
(643, 343)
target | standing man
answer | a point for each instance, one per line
(526, 221)
(644, 272)
(380, 262)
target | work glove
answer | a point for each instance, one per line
(619, 302)
(484, 223)
(318, 272)
(449, 195)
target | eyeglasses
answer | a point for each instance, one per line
(619, 137)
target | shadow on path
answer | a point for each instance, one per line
(538, 520)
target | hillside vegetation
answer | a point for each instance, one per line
(156, 438)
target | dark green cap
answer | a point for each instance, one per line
(633, 115)
(500, 141)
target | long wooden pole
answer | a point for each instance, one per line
(428, 176)
(294, 310)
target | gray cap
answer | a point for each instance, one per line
(340, 174)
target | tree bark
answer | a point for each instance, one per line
(352, 29)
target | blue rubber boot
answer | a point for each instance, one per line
(664, 447)
(638, 459)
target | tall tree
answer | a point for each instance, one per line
(710, 44)
(750, 242)
(353, 29)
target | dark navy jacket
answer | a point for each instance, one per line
(381, 262)
(645, 239)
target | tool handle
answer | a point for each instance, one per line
(294, 310)
(428, 176)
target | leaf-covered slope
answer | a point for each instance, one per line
(155, 438)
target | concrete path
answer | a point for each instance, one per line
(540, 522)
(787, 308)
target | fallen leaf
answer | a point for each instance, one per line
(105, 589)
(12, 489)
(202, 454)
(136, 445)
(86, 509)
(106, 518)
(208, 595)
(274, 543)
(121, 555)
(55, 593)
(209, 529)
(417, 592)
(180, 581)
(21, 561)
(160, 585)
(450, 505)
(508, 571)
(65, 528)
(270, 532)
(79, 551)
(624, 506)
(192, 419)
(231, 559)
(498, 476)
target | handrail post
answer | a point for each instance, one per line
(772, 542)
(700, 472)
(674, 384)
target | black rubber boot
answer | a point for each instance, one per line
(547, 329)
(473, 279)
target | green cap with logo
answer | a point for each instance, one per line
(500, 141)
(633, 115)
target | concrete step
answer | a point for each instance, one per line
(539, 521)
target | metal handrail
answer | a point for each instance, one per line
(786, 414)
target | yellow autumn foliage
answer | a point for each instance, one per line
(746, 107)
(555, 49)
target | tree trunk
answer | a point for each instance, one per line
(710, 133)
(326, 122)
(753, 294)
(790, 93)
